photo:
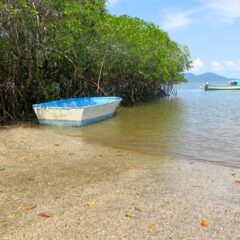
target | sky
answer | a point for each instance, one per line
(210, 29)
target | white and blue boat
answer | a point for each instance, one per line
(76, 111)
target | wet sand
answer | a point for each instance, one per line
(47, 181)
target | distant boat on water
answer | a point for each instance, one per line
(76, 111)
(234, 85)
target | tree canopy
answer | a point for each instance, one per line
(53, 49)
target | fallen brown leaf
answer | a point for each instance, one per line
(13, 215)
(91, 203)
(26, 210)
(56, 145)
(7, 173)
(21, 156)
(38, 157)
(205, 223)
(237, 181)
(44, 215)
(152, 226)
(30, 179)
(138, 209)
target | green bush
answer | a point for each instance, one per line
(52, 49)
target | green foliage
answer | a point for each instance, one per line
(144, 51)
(52, 49)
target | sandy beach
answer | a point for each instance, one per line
(54, 186)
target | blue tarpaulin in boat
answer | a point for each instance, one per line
(79, 102)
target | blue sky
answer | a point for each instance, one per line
(210, 28)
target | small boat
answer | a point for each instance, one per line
(206, 87)
(235, 83)
(223, 88)
(76, 111)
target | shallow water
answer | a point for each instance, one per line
(194, 125)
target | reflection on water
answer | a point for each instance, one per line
(211, 130)
(151, 128)
(194, 125)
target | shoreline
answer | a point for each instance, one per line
(130, 195)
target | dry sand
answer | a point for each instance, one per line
(47, 180)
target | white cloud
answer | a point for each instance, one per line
(228, 67)
(197, 65)
(232, 67)
(112, 2)
(173, 21)
(227, 11)
(216, 66)
(232, 64)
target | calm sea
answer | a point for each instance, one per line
(196, 125)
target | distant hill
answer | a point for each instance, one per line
(207, 77)
(190, 76)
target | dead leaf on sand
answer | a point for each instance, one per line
(120, 155)
(30, 179)
(152, 226)
(97, 157)
(56, 145)
(138, 209)
(91, 204)
(237, 181)
(129, 215)
(205, 223)
(27, 209)
(44, 215)
(13, 215)
(7, 173)
(38, 157)
(21, 156)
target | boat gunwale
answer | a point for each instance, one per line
(41, 105)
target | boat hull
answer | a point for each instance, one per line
(223, 88)
(75, 116)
